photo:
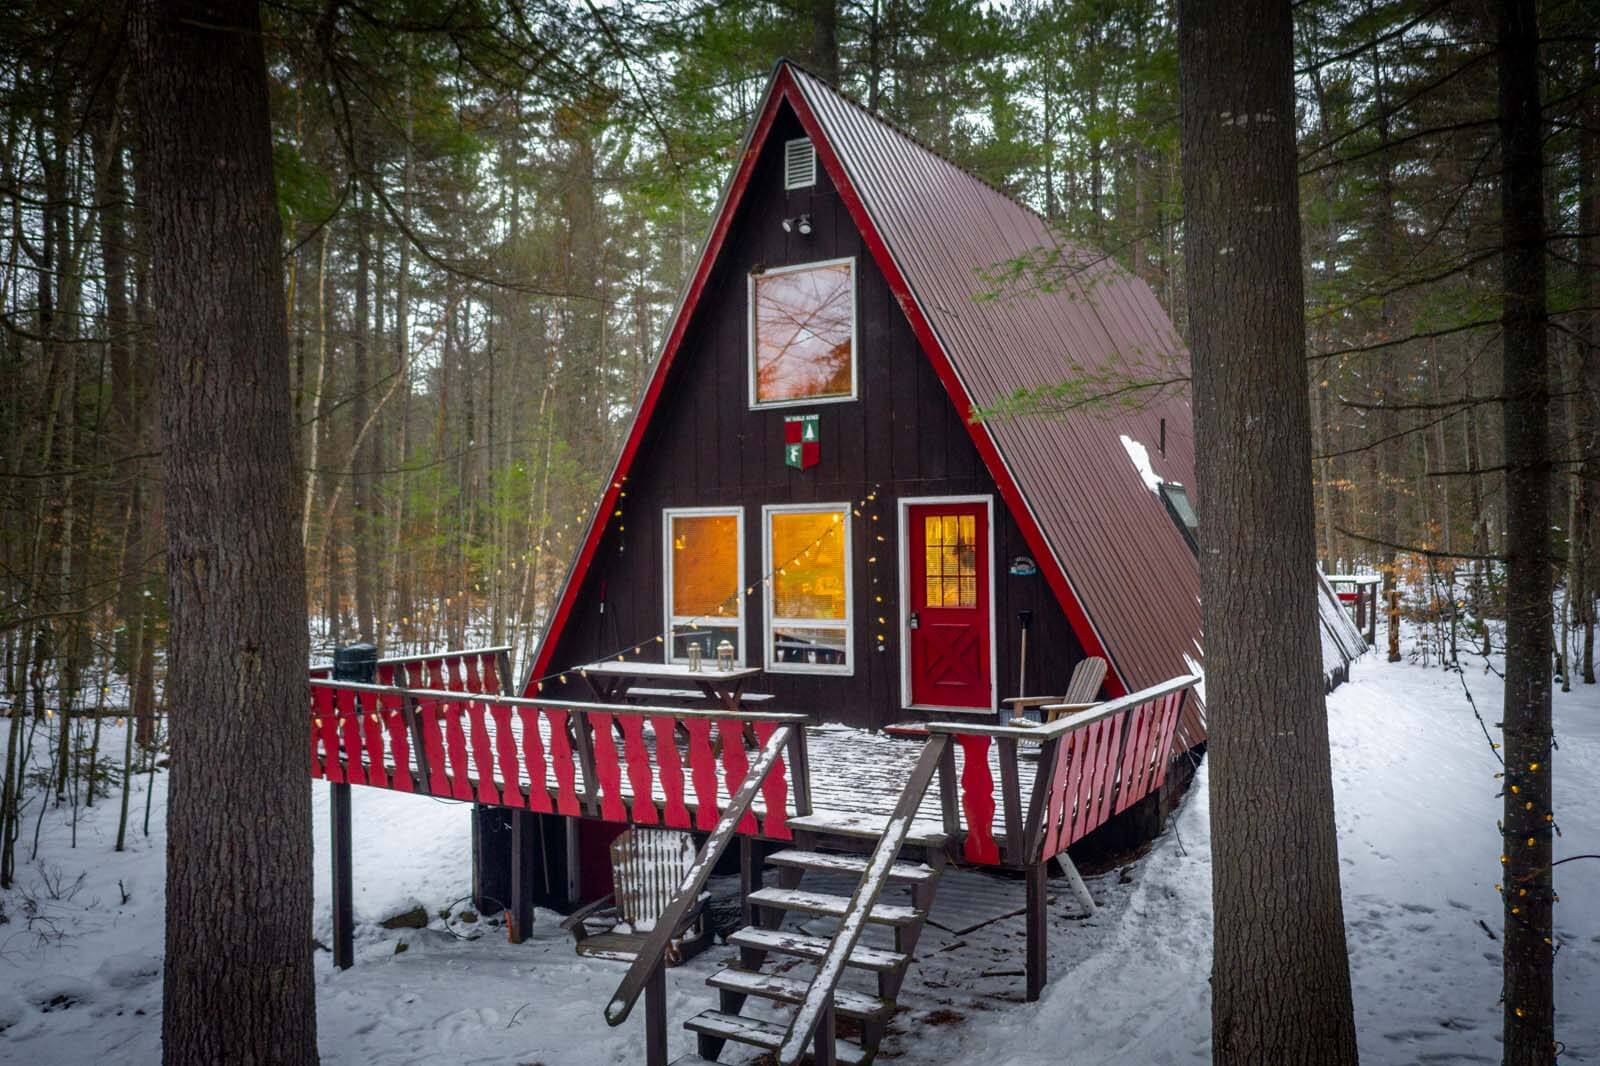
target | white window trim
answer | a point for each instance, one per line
(667, 515)
(904, 551)
(767, 567)
(750, 340)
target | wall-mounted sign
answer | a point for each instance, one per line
(1022, 566)
(801, 444)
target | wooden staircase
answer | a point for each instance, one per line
(781, 966)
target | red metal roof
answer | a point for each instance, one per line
(1131, 570)
(1124, 574)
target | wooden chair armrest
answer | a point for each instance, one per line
(573, 923)
(1030, 701)
(1060, 710)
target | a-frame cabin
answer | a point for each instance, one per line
(803, 478)
(806, 527)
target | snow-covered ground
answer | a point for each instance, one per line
(1416, 809)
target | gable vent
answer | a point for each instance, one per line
(799, 163)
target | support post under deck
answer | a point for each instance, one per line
(523, 841)
(343, 896)
(1038, 939)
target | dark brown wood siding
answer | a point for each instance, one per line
(901, 438)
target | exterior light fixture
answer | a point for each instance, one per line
(801, 223)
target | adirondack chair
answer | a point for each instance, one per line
(1083, 691)
(647, 865)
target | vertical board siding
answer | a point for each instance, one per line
(902, 437)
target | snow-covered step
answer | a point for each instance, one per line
(863, 826)
(831, 906)
(762, 1034)
(691, 1060)
(814, 948)
(848, 1002)
(910, 872)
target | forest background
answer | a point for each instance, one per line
(490, 206)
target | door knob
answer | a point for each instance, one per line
(915, 621)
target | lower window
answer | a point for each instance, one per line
(807, 562)
(704, 570)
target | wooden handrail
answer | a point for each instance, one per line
(653, 710)
(1067, 725)
(819, 996)
(651, 954)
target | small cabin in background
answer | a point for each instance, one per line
(804, 478)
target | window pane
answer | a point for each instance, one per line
(707, 636)
(810, 645)
(705, 566)
(808, 579)
(803, 321)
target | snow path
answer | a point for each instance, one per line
(1416, 812)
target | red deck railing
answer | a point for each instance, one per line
(645, 765)
(1091, 765)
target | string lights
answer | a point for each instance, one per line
(865, 505)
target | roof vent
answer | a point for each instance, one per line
(799, 163)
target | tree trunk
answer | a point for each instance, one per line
(360, 409)
(1529, 1015)
(238, 981)
(825, 40)
(1280, 974)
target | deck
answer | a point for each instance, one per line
(444, 731)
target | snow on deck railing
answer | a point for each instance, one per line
(1092, 765)
(618, 762)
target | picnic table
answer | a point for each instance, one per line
(617, 682)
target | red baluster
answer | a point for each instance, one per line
(457, 684)
(977, 799)
(607, 770)
(350, 736)
(703, 773)
(1084, 781)
(385, 673)
(1056, 805)
(1133, 782)
(367, 709)
(436, 674)
(456, 744)
(482, 753)
(561, 758)
(321, 717)
(774, 791)
(676, 814)
(533, 756)
(471, 664)
(491, 673)
(506, 748)
(431, 713)
(1163, 746)
(735, 764)
(639, 771)
(399, 741)
(1105, 778)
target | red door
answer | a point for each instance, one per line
(948, 574)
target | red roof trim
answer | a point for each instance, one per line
(784, 89)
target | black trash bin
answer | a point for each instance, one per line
(356, 662)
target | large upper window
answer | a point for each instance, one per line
(803, 334)
(704, 568)
(808, 623)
